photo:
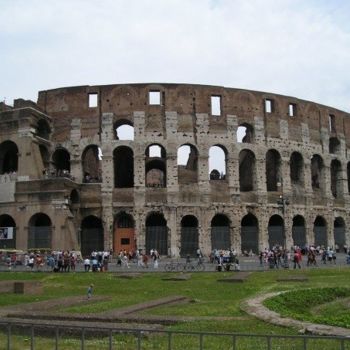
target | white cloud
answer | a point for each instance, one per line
(291, 47)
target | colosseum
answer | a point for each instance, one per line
(173, 167)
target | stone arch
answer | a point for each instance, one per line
(245, 133)
(7, 232)
(91, 164)
(189, 236)
(217, 162)
(247, 171)
(8, 157)
(123, 158)
(334, 145)
(91, 235)
(61, 161)
(187, 164)
(317, 172)
(320, 232)
(250, 234)
(124, 233)
(299, 231)
(40, 232)
(220, 232)
(43, 129)
(124, 130)
(155, 166)
(339, 232)
(273, 170)
(276, 231)
(296, 169)
(156, 233)
(336, 179)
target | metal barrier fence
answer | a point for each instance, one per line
(37, 336)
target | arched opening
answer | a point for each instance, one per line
(247, 171)
(74, 197)
(249, 234)
(273, 170)
(8, 157)
(124, 130)
(123, 158)
(296, 169)
(7, 232)
(156, 234)
(317, 169)
(217, 163)
(336, 179)
(45, 156)
(245, 133)
(334, 145)
(43, 129)
(320, 232)
(61, 162)
(91, 161)
(298, 231)
(155, 166)
(220, 232)
(40, 232)
(124, 233)
(276, 232)
(189, 236)
(91, 235)
(187, 164)
(339, 233)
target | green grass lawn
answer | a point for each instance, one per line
(209, 297)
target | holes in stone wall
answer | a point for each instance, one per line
(61, 162)
(336, 178)
(296, 168)
(245, 133)
(334, 145)
(269, 105)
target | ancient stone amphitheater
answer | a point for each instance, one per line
(172, 167)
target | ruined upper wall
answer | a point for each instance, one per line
(64, 104)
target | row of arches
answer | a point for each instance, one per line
(157, 233)
(156, 165)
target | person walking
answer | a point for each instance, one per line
(90, 291)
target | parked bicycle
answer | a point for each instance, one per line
(198, 266)
(174, 266)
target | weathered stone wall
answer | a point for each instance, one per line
(183, 117)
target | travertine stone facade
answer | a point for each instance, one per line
(70, 179)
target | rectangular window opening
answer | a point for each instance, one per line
(93, 101)
(125, 241)
(154, 97)
(268, 106)
(216, 105)
(292, 110)
(331, 121)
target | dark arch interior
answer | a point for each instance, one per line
(298, 221)
(246, 170)
(74, 197)
(320, 221)
(123, 167)
(273, 162)
(124, 221)
(334, 145)
(189, 221)
(7, 221)
(91, 222)
(296, 167)
(220, 220)
(43, 129)
(156, 220)
(316, 171)
(249, 220)
(61, 160)
(40, 220)
(91, 164)
(339, 222)
(276, 220)
(8, 157)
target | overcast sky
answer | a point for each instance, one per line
(292, 47)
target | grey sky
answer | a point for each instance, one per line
(292, 47)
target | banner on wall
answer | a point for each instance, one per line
(6, 232)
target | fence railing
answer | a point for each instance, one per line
(37, 336)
